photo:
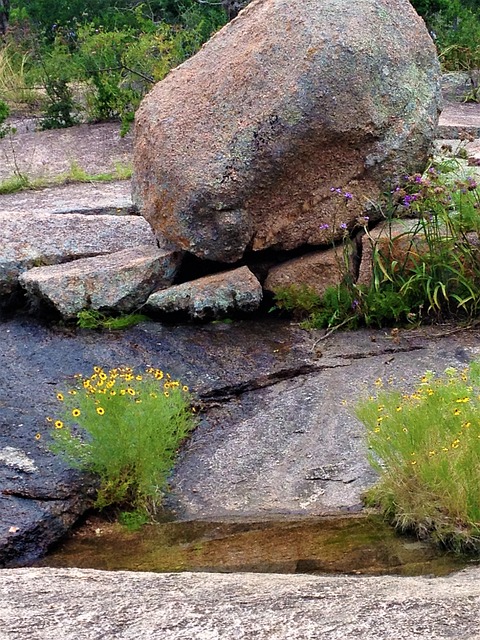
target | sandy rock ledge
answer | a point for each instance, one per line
(73, 604)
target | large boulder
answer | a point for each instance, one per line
(240, 147)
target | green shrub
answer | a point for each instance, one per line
(131, 426)
(4, 113)
(426, 447)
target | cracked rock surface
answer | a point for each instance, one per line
(277, 435)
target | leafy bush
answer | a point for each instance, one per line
(426, 447)
(131, 426)
(4, 113)
(455, 27)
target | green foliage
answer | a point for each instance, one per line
(98, 61)
(299, 300)
(4, 113)
(91, 319)
(126, 428)
(429, 272)
(455, 26)
(426, 447)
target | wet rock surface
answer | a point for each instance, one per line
(184, 606)
(274, 437)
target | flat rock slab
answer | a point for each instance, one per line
(119, 282)
(296, 447)
(74, 604)
(34, 239)
(88, 197)
(275, 437)
(457, 118)
(213, 296)
(96, 148)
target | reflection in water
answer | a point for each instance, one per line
(354, 544)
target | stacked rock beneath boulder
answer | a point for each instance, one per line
(239, 147)
(211, 297)
(35, 239)
(120, 281)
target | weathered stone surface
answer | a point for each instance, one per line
(87, 198)
(279, 442)
(317, 270)
(80, 604)
(295, 447)
(34, 239)
(211, 297)
(120, 281)
(95, 148)
(310, 95)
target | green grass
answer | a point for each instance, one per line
(91, 319)
(125, 427)
(426, 447)
(76, 174)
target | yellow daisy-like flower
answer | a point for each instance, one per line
(131, 391)
(457, 412)
(58, 424)
(100, 411)
(455, 444)
(97, 369)
(113, 392)
(166, 394)
(60, 397)
(75, 413)
(185, 388)
(49, 419)
(138, 378)
(37, 436)
(72, 392)
(158, 374)
(122, 392)
(399, 408)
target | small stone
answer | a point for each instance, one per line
(211, 297)
(318, 270)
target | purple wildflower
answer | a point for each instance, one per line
(348, 195)
(324, 226)
(355, 304)
(343, 225)
(408, 199)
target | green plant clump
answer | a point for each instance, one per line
(126, 428)
(91, 319)
(426, 447)
(425, 268)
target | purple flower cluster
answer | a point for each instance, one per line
(347, 195)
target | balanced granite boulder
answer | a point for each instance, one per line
(120, 281)
(260, 139)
